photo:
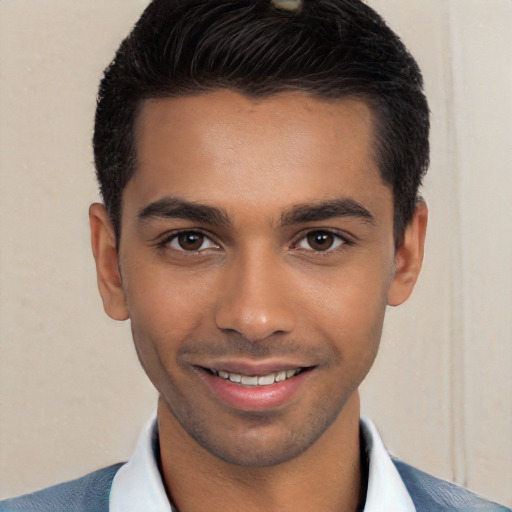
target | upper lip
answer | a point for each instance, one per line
(253, 367)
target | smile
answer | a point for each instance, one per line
(256, 387)
(257, 380)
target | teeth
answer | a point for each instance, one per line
(280, 376)
(249, 381)
(266, 380)
(254, 380)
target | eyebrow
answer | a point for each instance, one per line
(342, 207)
(178, 208)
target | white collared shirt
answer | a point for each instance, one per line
(138, 485)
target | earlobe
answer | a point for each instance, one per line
(105, 253)
(409, 257)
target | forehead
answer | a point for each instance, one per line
(224, 147)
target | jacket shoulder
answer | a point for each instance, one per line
(433, 494)
(89, 493)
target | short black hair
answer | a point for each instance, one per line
(331, 49)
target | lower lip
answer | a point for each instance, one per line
(255, 398)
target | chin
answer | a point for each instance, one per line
(263, 441)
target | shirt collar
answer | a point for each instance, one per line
(386, 490)
(138, 484)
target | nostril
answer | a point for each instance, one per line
(255, 325)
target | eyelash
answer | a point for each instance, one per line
(165, 243)
(342, 241)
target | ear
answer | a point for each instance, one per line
(409, 257)
(105, 253)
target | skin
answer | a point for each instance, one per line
(289, 262)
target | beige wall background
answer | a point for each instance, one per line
(72, 395)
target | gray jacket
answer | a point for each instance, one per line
(91, 494)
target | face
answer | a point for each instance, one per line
(255, 263)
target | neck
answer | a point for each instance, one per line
(327, 476)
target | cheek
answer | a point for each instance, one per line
(347, 308)
(165, 303)
(352, 297)
(165, 310)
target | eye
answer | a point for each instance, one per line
(321, 241)
(190, 241)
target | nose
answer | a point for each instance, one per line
(256, 299)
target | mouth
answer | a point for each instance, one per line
(256, 380)
(250, 386)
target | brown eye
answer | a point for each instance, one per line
(191, 241)
(320, 240)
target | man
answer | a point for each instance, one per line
(259, 163)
